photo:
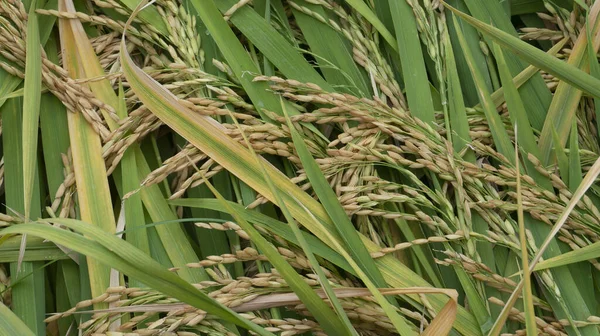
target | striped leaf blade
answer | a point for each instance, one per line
(420, 101)
(32, 92)
(93, 192)
(10, 324)
(134, 211)
(27, 287)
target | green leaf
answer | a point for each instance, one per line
(594, 67)
(342, 317)
(561, 158)
(368, 14)
(589, 252)
(32, 92)
(110, 250)
(501, 139)
(540, 59)
(134, 212)
(418, 94)
(335, 211)
(567, 95)
(63, 287)
(493, 13)
(276, 227)
(266, 39)
(459, 126)
(10, 324)
(519, 118)
(473, 40)
(28, 293)
(93, 192)
(459, 123)
(525, 75)
(53, 116)
(150, 15)
(211, 139)
(321, 311)
(573, 299)
(350, 246)
(8, 82)
(37, 250)
(212, 242)
(332, 50)
(316, 267)
(512, 95)
(575, 176)
(173, 238)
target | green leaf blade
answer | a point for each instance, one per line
(418, 93)
(31, 106)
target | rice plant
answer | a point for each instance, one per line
(299, 167)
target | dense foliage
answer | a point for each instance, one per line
(322, 167)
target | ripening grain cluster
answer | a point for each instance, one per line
(299, 167)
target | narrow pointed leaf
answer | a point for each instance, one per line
(278, 228)
(561, 157)
(594, 66)
(589, 252)
(30, 293)
(530, 324)
(333, 53)
(459, 122)
(316, 267)
(351, 241)
(460, 136)
(277, 49)
(53, 116)
(149, 15)
(493, 13)
(8, 82)
(340, 316)
(525, 75)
